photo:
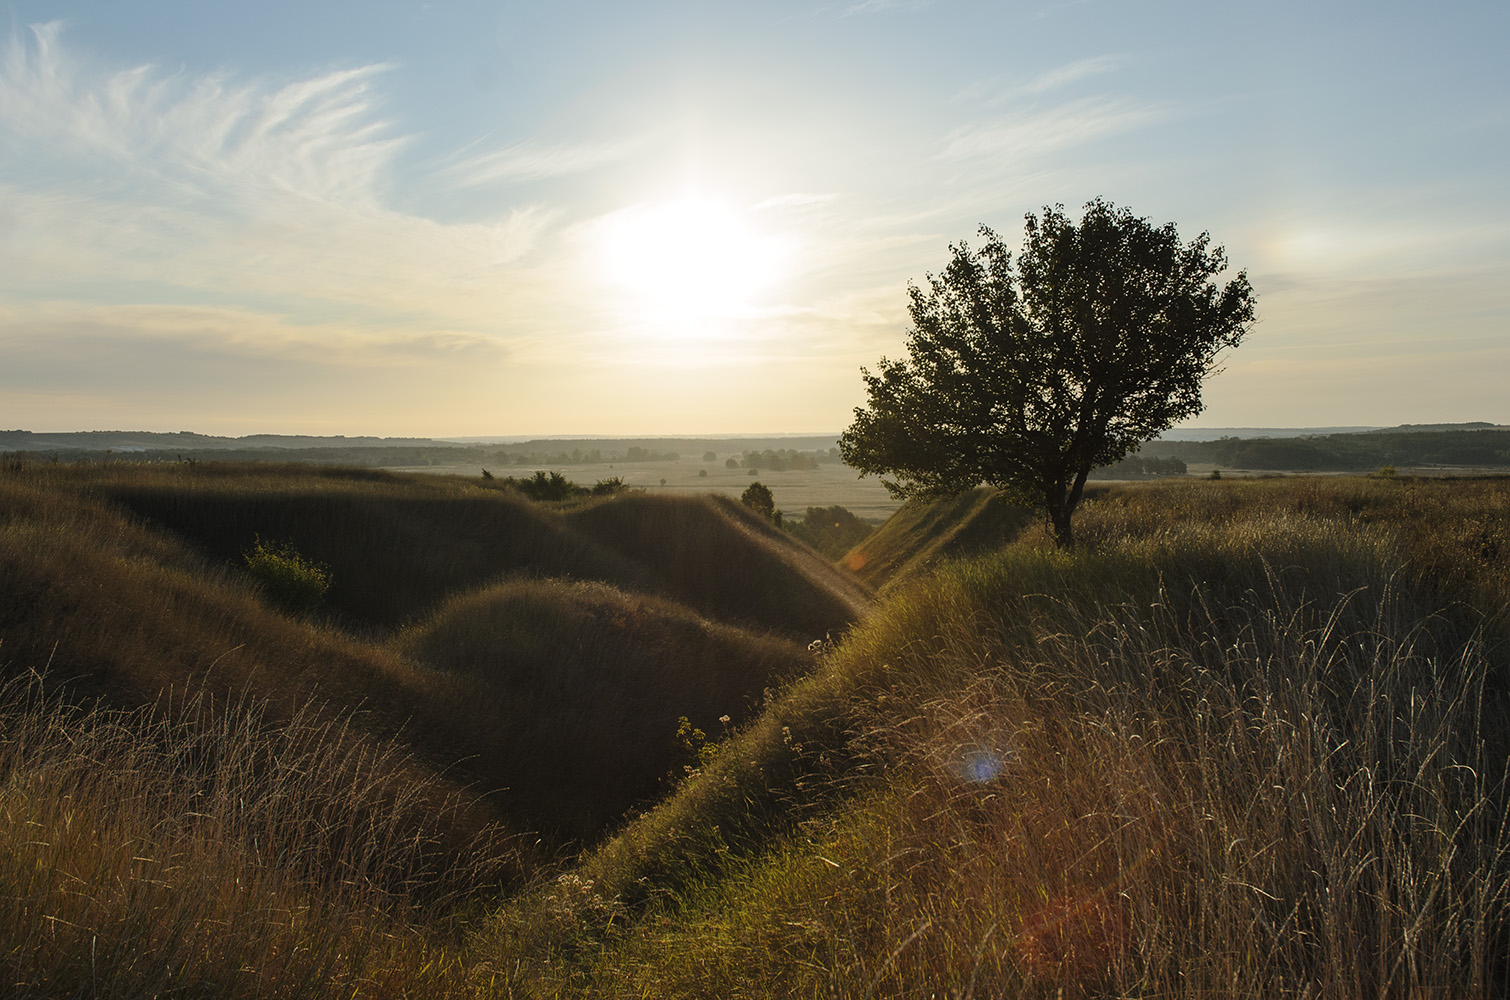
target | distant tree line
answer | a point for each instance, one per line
(1353, 452)
(1141, 467)
(365, 456)
(833, 531)
(553, 486)
(779, 460)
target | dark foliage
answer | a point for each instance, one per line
(831, 530)
(757, 497)
(1029, 377)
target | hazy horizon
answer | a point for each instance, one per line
(457, 219)
(1181, 433)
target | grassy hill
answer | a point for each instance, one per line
(924, 534)
(126, 582)
(1250, 739)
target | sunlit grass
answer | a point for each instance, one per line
(215, 850)
(1255, 755)
(1249, 739)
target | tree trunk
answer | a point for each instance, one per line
(1059, 520)
(1061, 507)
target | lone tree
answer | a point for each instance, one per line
(1028, 379)
(757, 497)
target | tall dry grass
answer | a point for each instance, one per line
(1250, 740)
(571, 722)
(1254, 755)
(221, 851)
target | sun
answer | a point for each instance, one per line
(688, 260)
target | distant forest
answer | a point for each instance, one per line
(1358, 452)
(1474, 446)
(773, 453)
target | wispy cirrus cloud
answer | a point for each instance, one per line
(794, 201)
(1027, 134)
(881, 6)
(536, 160)
(1074, 72)
(319, 137)
(140, 184)
(1002, 88)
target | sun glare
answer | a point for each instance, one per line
(688, 260)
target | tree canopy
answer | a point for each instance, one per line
(1027, 377)
(757, 496)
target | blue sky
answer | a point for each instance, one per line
(457, 218)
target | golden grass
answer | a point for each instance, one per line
(924, 534)
(1255, 754)
(125, 609)
(220, 852)
(1250, 739)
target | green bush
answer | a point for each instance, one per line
(833, 531)
(287, 579)
(757, 497)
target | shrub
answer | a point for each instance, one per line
(757, 497)
(541, 486)
(833, 531)
(287, 579)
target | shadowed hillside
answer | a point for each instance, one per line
(593, 681)
(722, 558)
(397, 546)
(125, 582)
(924, 533)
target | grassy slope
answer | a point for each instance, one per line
(130, 611)
(1249, 741)
(588, 682)
(227, 740)
(922, 535)
(397, 546)
(720, 557)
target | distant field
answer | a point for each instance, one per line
(824, 486)
(795, 491)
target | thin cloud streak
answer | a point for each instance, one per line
(535, 160)
(252, 196)
(794, 200)
(1029, 134)
(999, 89)
(1074, 72)
(881, 6)
(316, 137)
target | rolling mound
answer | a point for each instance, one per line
(923, 534)
(722, 558)
(396, 547)
(555, 703)
(592, 681)
(394, 551)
